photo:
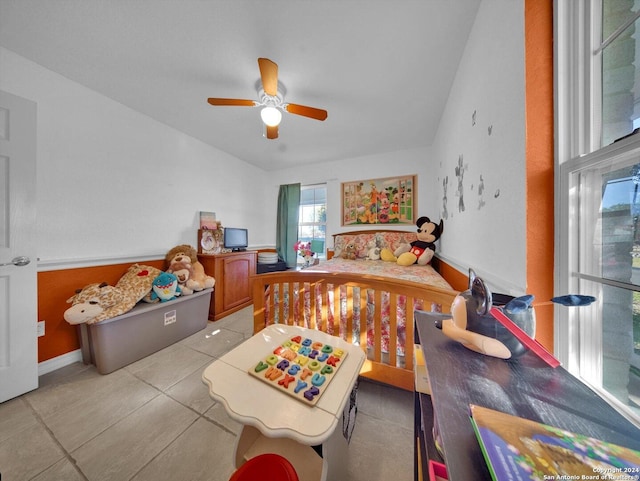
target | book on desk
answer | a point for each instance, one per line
(521, 449)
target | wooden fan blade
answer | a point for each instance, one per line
(233, 102)
(272, 132)
(269, 75)
(305, 111)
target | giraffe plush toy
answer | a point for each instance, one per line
(97, 302)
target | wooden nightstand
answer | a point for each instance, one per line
(232, 272)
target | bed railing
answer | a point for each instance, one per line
(389, 359)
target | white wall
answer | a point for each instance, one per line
(113, 183)
(406, 162)
(488, 93)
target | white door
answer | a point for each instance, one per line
(18, 283)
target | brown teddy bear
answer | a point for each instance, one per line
(349, 251)
(184, 272)
(185, 253)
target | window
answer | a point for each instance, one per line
(598, 195)
(312, 219)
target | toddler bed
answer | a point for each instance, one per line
(376, 303)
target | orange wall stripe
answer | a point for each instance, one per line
(539, 146)
(457, 280)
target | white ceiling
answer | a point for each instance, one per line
(381, 68)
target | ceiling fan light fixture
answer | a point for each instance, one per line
(271, 116)
(271, 95)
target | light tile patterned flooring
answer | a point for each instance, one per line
(154, 420)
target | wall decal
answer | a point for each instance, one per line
(475, 184)
(481, 201)
(445, 210)
(459, 170)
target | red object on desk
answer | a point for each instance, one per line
(266, 466)
(437, 471)
(524, 338)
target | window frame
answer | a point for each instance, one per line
(578, 107)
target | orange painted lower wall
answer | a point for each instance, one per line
(453, 276)
(54, 288)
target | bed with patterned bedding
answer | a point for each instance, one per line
(377, 300)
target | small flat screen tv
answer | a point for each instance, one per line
(236, 239)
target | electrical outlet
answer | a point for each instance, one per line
(40, 328)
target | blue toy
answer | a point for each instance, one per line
(165, 287)
(573, 300)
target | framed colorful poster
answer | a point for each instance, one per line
(389, 201)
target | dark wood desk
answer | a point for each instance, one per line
(526, 387)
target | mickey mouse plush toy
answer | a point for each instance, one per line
(420, 251)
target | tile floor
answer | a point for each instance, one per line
(154, 420)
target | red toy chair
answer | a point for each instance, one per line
(266, 467)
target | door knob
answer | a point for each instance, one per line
(17, 261)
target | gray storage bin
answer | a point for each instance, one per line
(145, 329)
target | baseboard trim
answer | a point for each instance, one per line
(58, 362)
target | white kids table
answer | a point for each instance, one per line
(275, 422)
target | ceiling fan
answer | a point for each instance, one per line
(271, 100)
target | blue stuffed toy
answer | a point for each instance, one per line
(165, 287)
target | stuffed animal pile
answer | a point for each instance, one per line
(97, 302)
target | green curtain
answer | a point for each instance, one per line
(287, 223)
